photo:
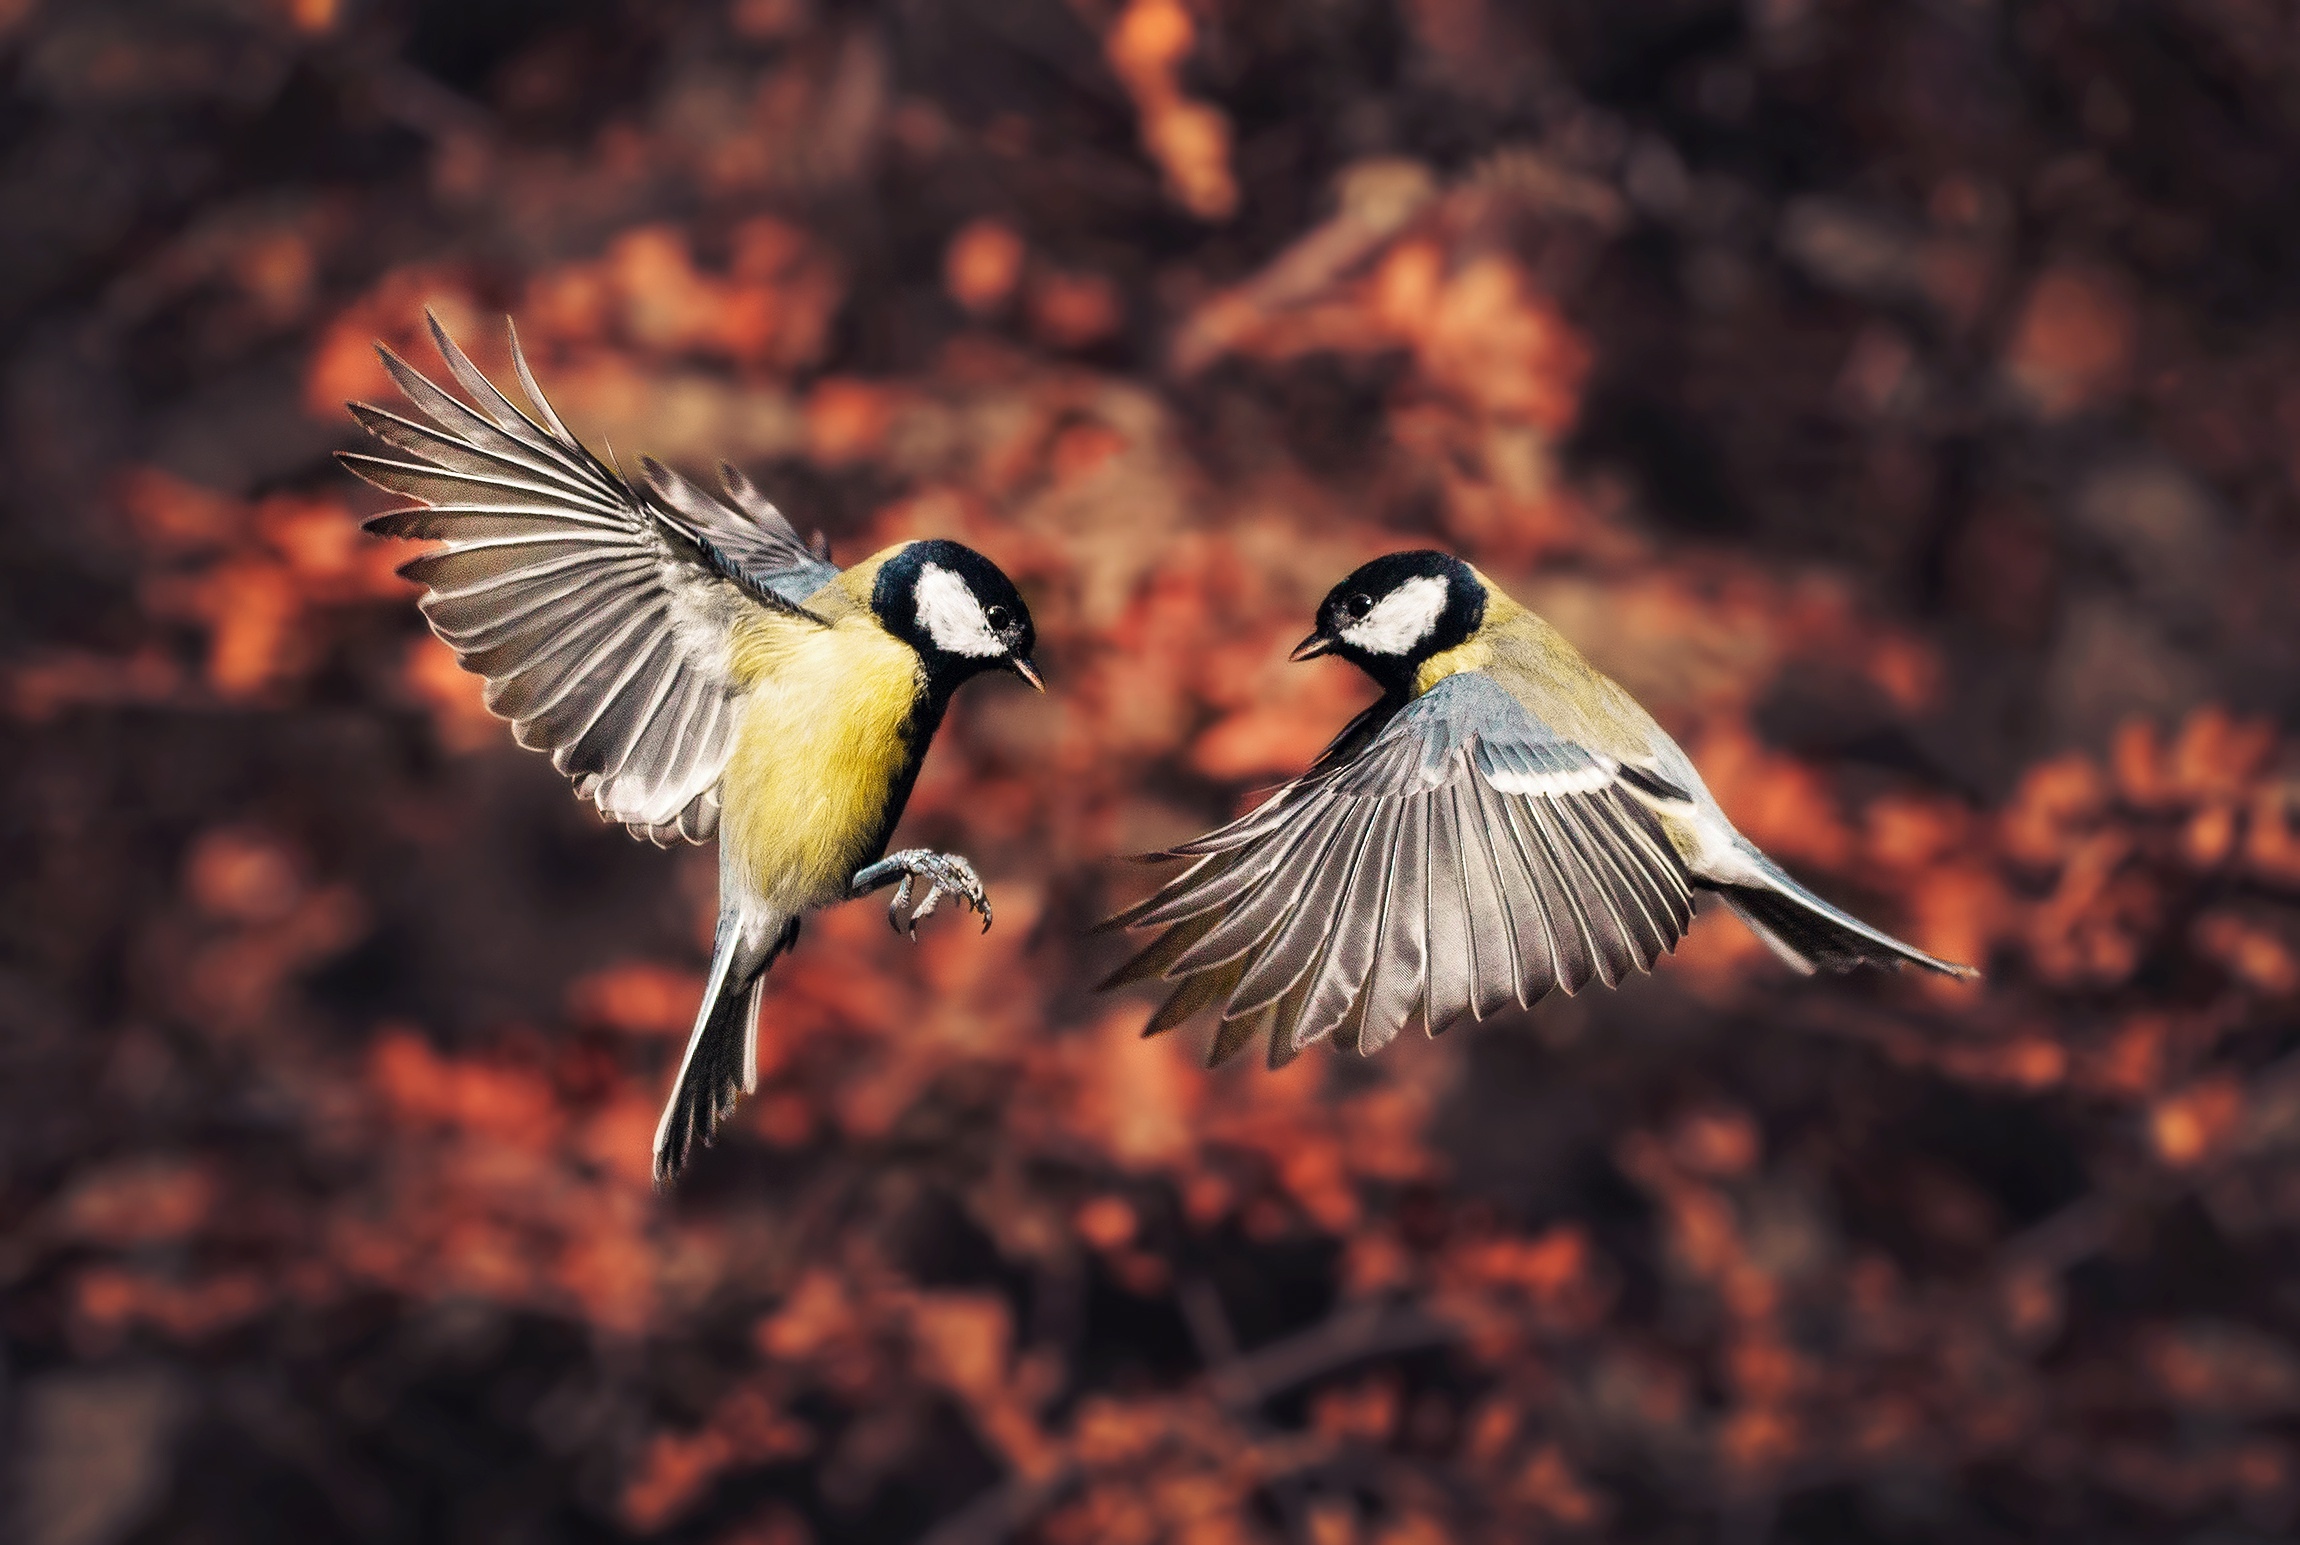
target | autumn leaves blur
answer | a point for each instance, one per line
(1935, 501)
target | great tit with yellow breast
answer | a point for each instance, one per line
(1503, 821)
(698, 671)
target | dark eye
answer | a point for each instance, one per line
(999, 617)
(1358, 605)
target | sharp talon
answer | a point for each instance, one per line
(945, 874)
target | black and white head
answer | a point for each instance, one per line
(1395, 612)
(958, 610)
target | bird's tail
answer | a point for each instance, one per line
(1809, 934)
(721, 1064)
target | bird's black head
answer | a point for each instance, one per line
(958, 610)
(1395, 612)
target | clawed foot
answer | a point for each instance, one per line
(946, 874)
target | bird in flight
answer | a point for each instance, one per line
(1505, 820)
(697, 670)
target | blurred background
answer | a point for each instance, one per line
(1900, 398)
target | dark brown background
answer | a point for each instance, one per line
(1901, 398)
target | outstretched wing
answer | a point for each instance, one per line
(1465, 860)
(748, 532)
(600, 616)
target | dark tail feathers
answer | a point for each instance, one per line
(1809, 934)
(721, 1062)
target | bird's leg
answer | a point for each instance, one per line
(946, 874)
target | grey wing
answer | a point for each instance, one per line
(748, 530)
(1465, 860)
(600, 620)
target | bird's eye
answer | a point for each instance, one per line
(1358, 605)
(998, 617)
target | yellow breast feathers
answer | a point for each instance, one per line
(817, 752)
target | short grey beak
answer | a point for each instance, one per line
(1312, 647)
(1022, 667)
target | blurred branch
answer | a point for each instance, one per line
(1352, 1334)
(999, 1512)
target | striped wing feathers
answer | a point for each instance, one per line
(1464, 860)
(599, 616)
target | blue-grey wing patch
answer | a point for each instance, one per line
(598, 619)
(746, 530)
(1465, 859)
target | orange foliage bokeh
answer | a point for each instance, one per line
(1943, 509)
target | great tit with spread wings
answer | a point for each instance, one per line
(698, 671)
(1503, 821)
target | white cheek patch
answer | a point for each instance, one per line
(951, 616)
(1401, 619)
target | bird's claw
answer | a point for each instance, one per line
(946, 874)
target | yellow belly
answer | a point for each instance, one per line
(818, 752)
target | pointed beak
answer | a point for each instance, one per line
(1022, 667)
(1312, 647)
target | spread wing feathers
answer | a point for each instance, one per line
(746, 530)
(600, 618)
(1458, 860)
